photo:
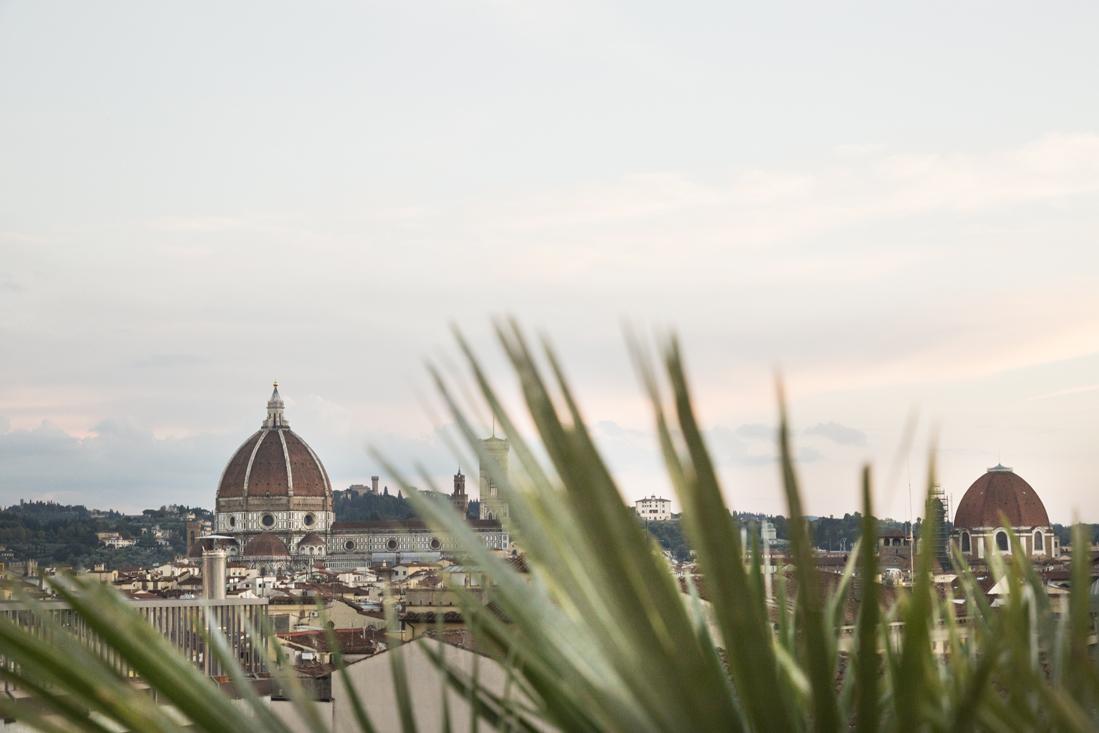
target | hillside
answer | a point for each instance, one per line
(61, 534)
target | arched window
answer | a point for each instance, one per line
(1001, 541)
(965, 542)
(1039, 542)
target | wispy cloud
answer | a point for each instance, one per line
(1066, 392)
(762, 205)
(119, 464)
(837, 433)
(756, 431)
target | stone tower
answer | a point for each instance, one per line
(194, 531)
(458, 498)
(492, 505)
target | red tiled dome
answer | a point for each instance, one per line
(1000, 490)
(274, 462)
(312, 540)
(266, 545)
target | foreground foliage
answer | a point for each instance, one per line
(600, 636)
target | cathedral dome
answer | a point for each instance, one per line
(1000, 490)
(312, 540)
(266, 545)
(274, 461)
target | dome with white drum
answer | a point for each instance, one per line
(274, 485)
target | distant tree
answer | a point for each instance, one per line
(350, 507)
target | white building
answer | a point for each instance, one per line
(767, 533)
(654, 508)
(115, 540)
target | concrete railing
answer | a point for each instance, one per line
(242, 621)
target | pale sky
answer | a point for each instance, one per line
(897, 207)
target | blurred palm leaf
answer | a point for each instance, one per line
(601, 637)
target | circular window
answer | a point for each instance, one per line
(268, 520)
(391, 544)
(232, 521)
(435, 543)
(349, 545)
(309, 520)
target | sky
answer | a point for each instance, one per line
(894, 207)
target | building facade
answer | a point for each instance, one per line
(274, 511)
(654, 508)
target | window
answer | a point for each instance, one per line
(232, 521)
(391, 544)
(1039, 542)
(349, 545)
(309, 519)
(268, 520)
(965, 542)
(1001, 541)
(435, 543)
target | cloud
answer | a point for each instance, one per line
(756, 431)
(120, 465)
(748, 445)
(760, 206)
(837, 433)
(1065, 392)
(753, 444)
(611, 429)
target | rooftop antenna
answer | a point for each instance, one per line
(911, 523)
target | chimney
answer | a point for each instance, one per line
(213, 574)
(374, 484)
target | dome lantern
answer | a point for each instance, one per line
(275, 408)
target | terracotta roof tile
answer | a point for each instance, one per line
(266, 545)
(1000, 490)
